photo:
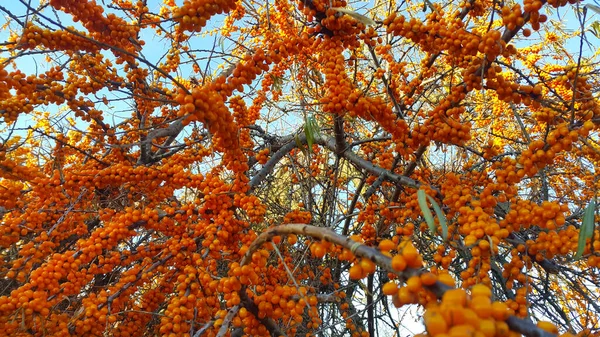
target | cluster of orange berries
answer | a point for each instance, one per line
(10, 192)
(546, 115)
(297, 216)
(246, 71)
(407, 257)
(273, 300)
(512, 92)
(252, 206)
(459, 314)
(524, 214)
(552, 243)
(241, 116)
(342, 25)
(513, 270)
(263, 156)
(29, 90)
(520, 305)
(207, 106)
(339, 85)
(415, 289)
(342, 96)
(436, 34)
(540, 153)
(180, 308)
(577, 85)
(34, 36)
(109, 29)
(513, 17)
(11, 167)
(316, 8)
(194, 14)
(444, 125)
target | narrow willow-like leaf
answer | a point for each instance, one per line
(358, 17)
(595, 28)
(441, 217)
(299, 144)
(593, 7)
(312, 122)
(587, 228)
(310, 136)
(491, 245)
(422, 198)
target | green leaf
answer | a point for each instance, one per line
(311, 128)
(299, 144)
(441, 217)
(422, 198)
(277, 83)
(595, 28)
(312, 122)
(587, 228)
(593, 7)
(310, 136)
(358, 17)
(491, 244)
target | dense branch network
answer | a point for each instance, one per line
(304, 167)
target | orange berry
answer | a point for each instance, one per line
(482, 306)
(368, 266)
(356, 272)
(414, 284)
(500, 311)
(398, 263)
(547, 326)
(487, 327)
(428, 279)
(435, 323)
(501, 328)
(390, 288)
(455, 296)
(481, 290)
(446, 279)
(386, 245)
(461, 331)
(405, 296)
(318, 250)
(410, 253)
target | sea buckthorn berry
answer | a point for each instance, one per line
(487, 327)
(414, 284)
(411, 255)
(428, 279)
(390, 288)
(356, 272)
(548, 326)
(367, 266)
(481, 290)
(446, 279)
(318, 250)
(405, 296)
(455, 296)
(386, 245)
(462, 330)
(500, 311)
(435, 323)
(398, 263)
(482, 306)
